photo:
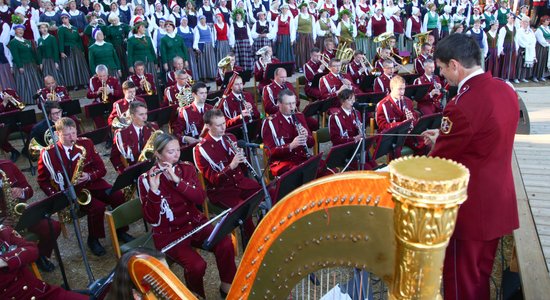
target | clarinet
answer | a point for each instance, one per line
(299, 128)
(236, 150)
(358, 123)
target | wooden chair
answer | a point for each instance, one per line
(322, 135)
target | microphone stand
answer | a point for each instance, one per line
(70, 193)
(362, 156)
(268, 200)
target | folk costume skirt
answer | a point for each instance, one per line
(522, 72)
(243, 54)
(28, 83)
(206, 61)
(75, 69)
(48, 69)
(260, 43)
(193, 63)
(6, 77)
(304, 44)
(151, 69)
(542, 61)
(123, 59)
(362, 44)
(283, 48)
(222, 49)
(508, 62)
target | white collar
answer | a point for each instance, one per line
(67, 149)
(171, 35)
(474, 73)
(75, 12)
(45, 36)
(137, 128)
(138, 36)
(347, 111)
(100, 43)
(217, 139)
(199, 106)
(22, 40)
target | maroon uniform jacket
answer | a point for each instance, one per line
(429, 105)
(17, 180)
(125, 150)
(139, 89)
(382, 84)
(330, 83)
(17, 280)
(419, 63)
(277, 134)
(378, 64)
(170, 95)
(310, 70)
(189, 121)
(354, 73)
(390, 113)
(171, 77)
(120, 107)
(270, 94)
(9, 106)
(343, 127)
(95, 84)
(259, 73)
(60, 92)
(232, 111)
(331, 54)
(219, 77)
(212, 158)
(468, 128)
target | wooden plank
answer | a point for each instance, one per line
(535, 279)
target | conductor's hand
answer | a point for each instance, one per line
(299, 140)
(430, 136)
(154, 181)
(237, 159)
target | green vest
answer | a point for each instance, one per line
(325, 27)
(346, 33)
(545, 33)
(304, 25)
(432, 21)
(502, 17)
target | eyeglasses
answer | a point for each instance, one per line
(55, 113)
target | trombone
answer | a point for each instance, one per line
(374, 71)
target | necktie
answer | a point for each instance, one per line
(140, 139)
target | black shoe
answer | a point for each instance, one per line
(125, 237)
(14, 155)
(96, 247)
(223, 294)
(44, 264)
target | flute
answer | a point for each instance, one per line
(160, 170)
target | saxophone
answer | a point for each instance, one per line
(84, 197)
(14, 209)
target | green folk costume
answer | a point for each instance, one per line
(141, 49)
(103, 55)
(172, 47)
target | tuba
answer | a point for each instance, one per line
(84, 197)
(20, 105)
(122, 121)
(14, 209)
(225, 64)
(422, 38)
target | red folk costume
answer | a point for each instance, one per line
(93, 93)
(128, 144)
(260, 75)
(378, 26)
(468, 128)
(41, 228)
(172, 213)
(190, 121)
(343, 125)
(398, 25)
(231, 107)
(311, 69)
(430, 104)
(50, 180)
(270, 94)
(120, 107)
(419, 63)
(382, 84)
(17, 280)
(136, 79)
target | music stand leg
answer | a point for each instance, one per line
(31, 167)
(267, 196)
(57, 253)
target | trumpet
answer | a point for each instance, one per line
(104, 94)
(405, 60)
(20, 105)
(236, 150)
(147, 87)
(400, 65)
(51, 96)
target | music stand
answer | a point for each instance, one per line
(393, 140)
(187, 152)
(270, 69)
(70, 107)
(97, 136)
(161, 115)
(233, 219)
(16, 120)
(432, 121)
(367, 82)
(340, 155)
(371, 98)
(417, 92)
(296, 177)
(129, 176)
(214, 97)
(152, 102)
(316, 79)
(245, 75)
(253, 130)
(409, 78)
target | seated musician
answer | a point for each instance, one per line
(50, 179)
(432, 100)
(260, 67)
(38, 131)
(357, 70)
(16, 278)
(120, 107)
(9, 98)
(60, 93)
(385, 54)
(382, 82)
(144, 82)
(178, 64)
(271, 91)
(313, 67)
(228, 66)
(344, 123)
(129, 142)
(330, 51)
(238, 105)
(171, 92)
(189, 123)
(334, 82)
(103, 88)
(21, 191)
(223, 167)
(170, 193)
(424, 55)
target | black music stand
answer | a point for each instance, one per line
(340, 155)
(371, 98)
(417, 92)
(214, 97)
(316, 79)
(16, 120)
(393, 140)
(99, 109)
(152, 102)
(161, 115)
(367, 82)
(233, 219)
(270, 69)
(70, 107)
(296, 177)
(187, 152)
(245, 75)
(432, 121)
(44, 209)
(129, 176)
(97, 136)
(409, 78)
(253, 130)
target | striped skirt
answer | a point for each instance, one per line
(508, 62)
(48, 68)
(193, 63)
(409, 45)
(222, 48)
(206, 62)
(492, 64)
(260, 43)
(123, 59)
(151, 69)
(542, 61)
(75, 69)
(304, 44)
(283, 48)
(522, 71)
(6, 77)
(28, 83)
(362, 44)
(372, 46)
(243, 55)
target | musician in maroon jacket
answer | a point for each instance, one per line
(96, 91)
(238, 105)
(21, 191)
(120, 107)
(223, 167)
(169, 202)
(345, 121)
(177, 65)
(60, 92)
(16, 278)
(272, 90)
(312, 68)
(8, 96)
(419, 61)
(182, 82)
(477, 130)
(395, 108)
(382, 82)
(334, 82)
(129, 142)
(330, 49)
(356, 69)
(431, 103)
(190, 120)
(232, 67)
(140, 79)
(266, 58)
(50, 179)
(383, 54)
